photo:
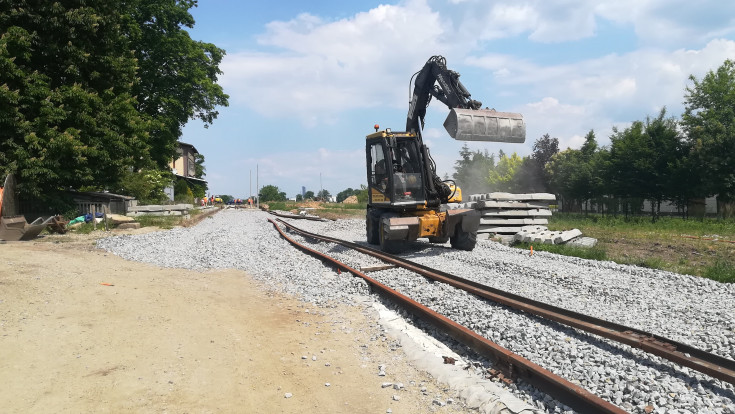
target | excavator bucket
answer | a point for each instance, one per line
(485, 125)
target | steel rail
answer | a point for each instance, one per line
(686, 355)
(512, 364)
(294, 216)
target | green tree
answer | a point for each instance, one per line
(575, 175)
(299, 197)
(147, 185)
(323, 195)
(182, 192)
(271, 193)
(67, 111)
(670, 181)
(90, 89)
(543, 149)
(309, 195)
(342, 195)
(709, 123)
(199, 169)
(362, 194)
(631, 170)
(501, 178)
(177, 76)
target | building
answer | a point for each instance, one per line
(184, 166)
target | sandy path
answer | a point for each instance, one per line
(170, 340)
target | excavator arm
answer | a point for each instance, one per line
(466, 121)
(435, 80)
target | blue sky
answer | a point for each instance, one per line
(308, 79)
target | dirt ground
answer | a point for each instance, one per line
(82, 330)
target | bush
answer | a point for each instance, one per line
(146, 185)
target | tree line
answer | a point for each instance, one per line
(94, 94)
(659, 159)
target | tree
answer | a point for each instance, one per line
(299, 197)
(362, 194)
(147, 185)
(472, 169)
(90, 89)
(323, 195)
(182, 192)
(199, 169)
(177, 75)
(576, 175)
(501, 177)
(342, 195)
(67, 109)
(271, 193)
(543, 149)
(709, 123)
(309, 195)
(631, 169)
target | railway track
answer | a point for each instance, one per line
(514, 366)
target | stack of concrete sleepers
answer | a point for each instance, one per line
(506, 213)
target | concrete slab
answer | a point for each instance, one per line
(501, 196)
(516, 213)
(582, 242)
(567, 235)
(513, 222)
(510, 204)
(499, 230)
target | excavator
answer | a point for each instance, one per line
(406, 198)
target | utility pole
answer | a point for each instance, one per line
(321, 190)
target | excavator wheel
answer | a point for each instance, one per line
(463, 240)
(372, 226)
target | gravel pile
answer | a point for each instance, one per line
(691, 310)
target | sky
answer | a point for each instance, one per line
(308, 80)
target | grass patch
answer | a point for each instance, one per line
(671, 243)
(164, 222)
(594, 253)
(721, 271)
(86, 228)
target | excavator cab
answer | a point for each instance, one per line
(395, 176)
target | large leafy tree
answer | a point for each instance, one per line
(90, 90)
(67, 112)
(709, 122)
(501, 178)
(271, 193)
(177, 75)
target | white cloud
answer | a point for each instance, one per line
(320, 68)
(611, 89)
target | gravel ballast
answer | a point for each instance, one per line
(692, 310)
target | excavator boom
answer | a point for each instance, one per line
(466, 121)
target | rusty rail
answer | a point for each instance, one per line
(706, 362)
(512, 365)
(295, 216)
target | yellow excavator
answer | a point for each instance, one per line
(406, 198)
